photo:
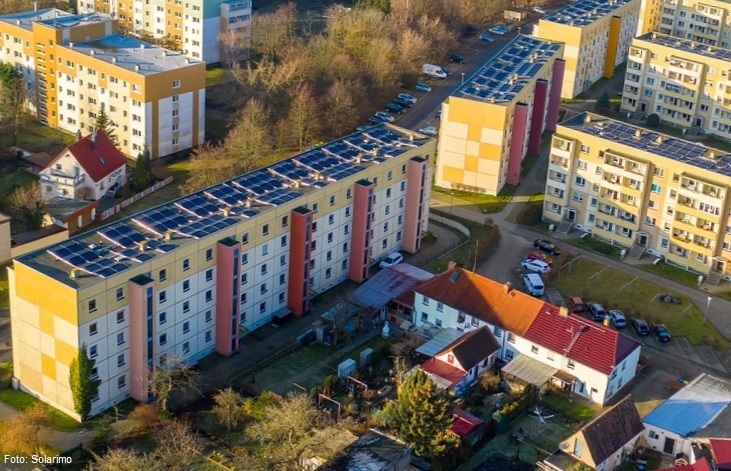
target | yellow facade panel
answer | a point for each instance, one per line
(48, 366)
(471, 163)
(46, 321)
(45, 293)
(474, 133)
(452, 174)
(491, 151)
(65, 353)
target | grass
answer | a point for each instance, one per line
(597, 245)
(528, 164)
(15, 179)
(21, 401)
(4, 288)
(214, 76)
(290, 365)
(35, 137)
(673, 272)
(464, 254)
(485, 203)
(582, 278)
(576, 409)
(723, 294)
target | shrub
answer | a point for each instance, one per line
(531, 214)
(653, 120)
(490, 382)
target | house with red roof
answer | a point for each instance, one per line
(721, 451)
(467, 427)
(700, 465)
(85, 170)
(542, 343)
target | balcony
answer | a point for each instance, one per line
(62, 179)
(559, 161)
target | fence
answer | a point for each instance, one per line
(118, 207)
(451, 223)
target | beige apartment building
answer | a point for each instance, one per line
(642, 190)
(705, 22)
(596, 33)
(684, 82)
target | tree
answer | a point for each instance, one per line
(207, 166)
(12, 96)
(29, 201)
(177, 447)
(578, 467)
(234, 47)
(124, 459)
(14, 6)
(653, 120)
(143, 169)
(342, 114)
(603, 103)
(421, 415)
(23, 433)
(250, 140)
(83, 387)
(104, 124)
(256, 407)
(302, 121)
(273, 33)
(228, 408)
(287, 421)
(171, 375)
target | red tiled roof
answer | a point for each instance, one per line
(444, 370)
(721, 450)
(484, 298)
(98, 161)
(585, 342)
(700, 465)
(464, 423)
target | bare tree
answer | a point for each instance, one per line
(124, 459)
(303, 118)
(228, 408)
(287, 421)
(413, 49)
(172, 375)
(250, 140)
(207, 166)
(272, 33)
(177, 446)
(342, 113)
(234, 44)
(23, 433)
(29, 201)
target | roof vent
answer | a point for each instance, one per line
(142, 246)
(563, 311)
(587, 119)
(492, 99)
(73, 272)
(248, 203)
(168, 235)
(654, 36)
(137, 67)
(709, 49)
(71, 45)
(91, 52)
(114, 60)
(507, 287)
(638, 133)
(659, 139)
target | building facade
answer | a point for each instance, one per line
(194, 274)
(633, 187)
(195, 25)
(74, 64)
(706, 22)
(597, 35)
(682, 81)
(497, 116)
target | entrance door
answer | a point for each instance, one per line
(669, 446)
(698, 122)
(643, 107)
(571, 214)
(718, 264)
(642, 238)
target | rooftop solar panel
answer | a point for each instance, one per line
(278, 197)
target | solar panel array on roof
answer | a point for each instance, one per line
(685, 45)
(160, 220)
(258, 182)
(120, 233)
(73, 253)
(226, 194)
(196, 205)
(584, 12)
(206, 226)
(278, 197)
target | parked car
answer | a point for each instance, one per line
(422, 87)
(438, 115)
(486, 37)
(538, 255)
(384, 116)
(534, 284)
(391, 260)
(403, 102)
(394, 107)
(618, 319)
(597, 311)
(662, 332)
(363, 128)
(376, 120)
(406, 96)
(429, 130)
(539, 10)
(576, 304)
(547, 246)
(456, 58)
(640, 327)
(535, 266)
(499, 30)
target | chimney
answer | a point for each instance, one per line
(78, 135)
(93, 140)
(451, 266)
(563, 311)
(73, 272)
(142, 246)
(587, 119)
(638, 133)
(507, 287)
(659, 139)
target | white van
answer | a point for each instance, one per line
(435, 71)
(534, 283)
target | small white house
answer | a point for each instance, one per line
(85, 170)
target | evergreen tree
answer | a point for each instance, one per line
(143, 169)
(604, 103)
(83, 388)
(421, 416)
(104, 124)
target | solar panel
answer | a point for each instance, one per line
(160, 220)
(226, 194)
(258, 182)
(289, 170)
(73, 253)
(278, 197)
(343, 171)
(196, 205)
(121, 234)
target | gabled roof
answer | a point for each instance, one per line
(721, 450)
(495, 303)
(464, 423)
(700, 465)
(591, 344)
(98, 160)
(612, 430)
(701, 406)
(473, 347)
(443, 370)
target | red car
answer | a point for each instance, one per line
(538, 255)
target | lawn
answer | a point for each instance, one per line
(597, 245)
(21, 401)
(486, 203)
(4, 293)
(582, 278)
(576, 409)
(15, 179)
(214, 76)
(672, 272)
(465, 253)
(290, 365)
(723, 294)
(35, 137)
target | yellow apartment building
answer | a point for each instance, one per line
(596, 33)
(684, 82)
(192, 276)
(705, 22)
(76, 63)
(642, 190)
(496, 117)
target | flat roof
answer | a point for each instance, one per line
(503, 77)
(684, 45)
(132, 54)
(584, 12)
(691, 153)
(51, 17)
(128, 242)
(388, 284)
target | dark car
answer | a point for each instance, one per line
(456, 58)
(640, 327)
(547, 246)
(597, 311)
(577, 304)
(403, 102)
(662, 332)
(619, 321)
(394, 107)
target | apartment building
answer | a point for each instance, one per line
(189, 277)
(644, 190)
(706, 22)
(76, 63)
(597, 35)
(684, 82)
(491, 122)
(194, 24)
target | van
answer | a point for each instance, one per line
(534, 284)
(435, 71)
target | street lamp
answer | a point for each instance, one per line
(705, 315)
(451, 201)
(462, 78)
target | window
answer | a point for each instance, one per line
(285, 221)
(186, 306)
(284, 241)
(570, 365)
(176, 98)
(186, 327)
(186, 348)
(475, 321)
(244, 278)
(245, 238)
(282, 279)
(265, 229)
(209, 275)
(93, 351)
(176, 83)
(498, 332)
(314, 207)
(163, 275)
(209, 316)
(120, 317)
(163, 317)
(440, 307)
(163, 339)
(209, 296)
(264, 269)
(186, 286)
(332, 200)
(424, 317)
(162, 296)
(186, 264)
(242, 298)
(93, 329)
(262, 307)
(263, 288)
(534, 349)
(209, 254)
(580, 181)
(94, 373)
(208, 336)
(120, 294)
(120, 360)
(265, 249)
(655, 188)
(120, 338)
(328, 273)
(653, 434)
(511, 337)
(244, 258)
(92, 305)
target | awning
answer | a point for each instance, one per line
(440, 341)
(564, 377)
(529, 370)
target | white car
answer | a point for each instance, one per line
(407, 97)
(384, 116)
(536, 266)
(539, 10)
(499, 30)
(429, 130)
(391, 260)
